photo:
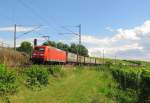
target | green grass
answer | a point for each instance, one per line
(77, 86)
(85, 84)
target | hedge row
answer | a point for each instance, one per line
(34, 76)
(134, 78)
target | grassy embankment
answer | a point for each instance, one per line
(81, 85)
(10, 57)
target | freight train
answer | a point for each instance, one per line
(49, 54)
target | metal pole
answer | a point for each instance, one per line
(115, 59)
(46, 37)
(103, 56)
(2, 44)
(79, 33)
(78, 49)
(15, 36)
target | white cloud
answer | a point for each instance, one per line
(127, 43)
(114, 50)
(18, 29)
(10, 43)
(109, 29)
(133, 34)
(125, 34)
(94, 40)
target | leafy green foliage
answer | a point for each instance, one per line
(25, 47)
(74, 48)
(56, 70)
(145, 85)
(134, 62)
(7, 81)
(82, 50)
(134, 78)
(52, 43)
(36, 76)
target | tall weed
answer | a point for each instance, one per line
(37, 76)
(10, 57)
(56, 71)
(7, 81)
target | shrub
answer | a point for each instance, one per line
(145, 86)
(7, 81)
(108, 64)
(56, 70)
(36, 76)
(134, 78)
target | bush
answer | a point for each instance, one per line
(37, 76)
(7, 81)
(129, 96)
(56, 70)
(145, 86)
(134, 78)
(108, 64)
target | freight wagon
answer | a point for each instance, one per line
(71, 57)
(87, 60)
(80, 59)
(93, 60)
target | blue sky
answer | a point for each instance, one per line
(100, 19)
(94, 15)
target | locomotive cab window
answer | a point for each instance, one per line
(39, 49)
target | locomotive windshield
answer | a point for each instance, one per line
(39, 49)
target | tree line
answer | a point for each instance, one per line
(73, 48)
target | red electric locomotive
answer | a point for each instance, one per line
(43, 54)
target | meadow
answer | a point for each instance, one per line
(65, 85)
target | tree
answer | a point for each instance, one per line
(79, 49)
(82, 50)
(25, 47)
(66, 47)
(60, 45)
(74, 48)
(50, 43)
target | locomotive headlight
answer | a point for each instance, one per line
(41, 54)
(34, 54)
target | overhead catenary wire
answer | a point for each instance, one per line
(69, 31)
(41, 18)
(33, 10)
(79, 32)
(34, 29)
(15, 32)
(45, 20)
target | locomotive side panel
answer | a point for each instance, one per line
(56, 55)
